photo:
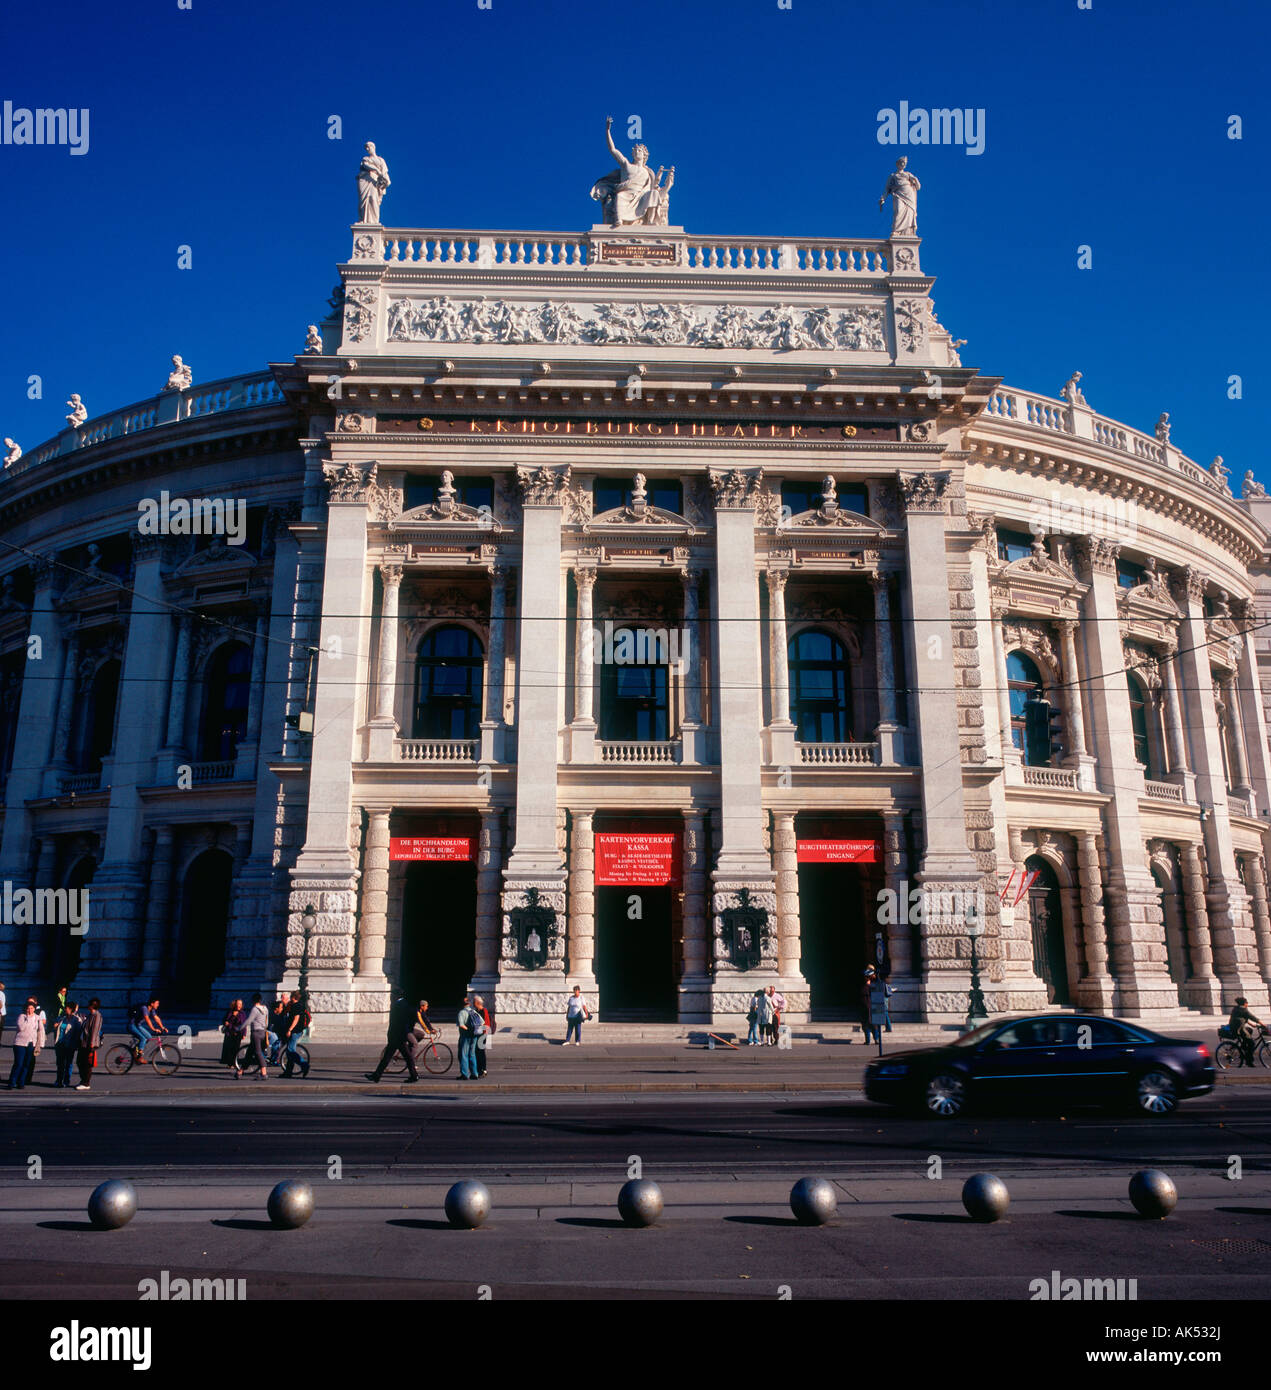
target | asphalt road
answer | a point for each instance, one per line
(554, 1165)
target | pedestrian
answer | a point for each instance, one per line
(468, 1020)
(752, 1020)
(277, 1030)
(764, 1009)
(3, 1007)
(232, 1027)
(778, 1011)
(89, 1041)
(66, 1042)
(298, 1021)
(576, 1013)
(481, 1034)
(878, 992)
(61, 1003)
(401, 1017)
(255, 1031)
(27, 1041)
(44, 1023)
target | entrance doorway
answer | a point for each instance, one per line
(1046, 922)
(199, 956)
(836, 935)
(635, 956)
(438, 942)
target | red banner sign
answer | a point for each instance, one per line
(435, 848)
(651, 861)
(838, 851)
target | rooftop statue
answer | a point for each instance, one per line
(313, 340)
(633, 195)
(372, 184)
(12, 453)
(902, 189)
(181, 376)
(79, 411)
(1072, 391)
(1251, 488)
(1163, 427)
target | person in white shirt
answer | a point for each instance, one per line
(27, 1041)
(576, 1011)
(255, 1029)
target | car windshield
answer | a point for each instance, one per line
(975, 1036)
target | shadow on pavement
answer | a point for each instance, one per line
(243, 1223)
(763, 1220)
(67, 1226)
(603, 1223)
(933, 1216)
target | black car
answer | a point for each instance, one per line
(1073, 1059)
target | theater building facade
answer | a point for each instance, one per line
(663, 614)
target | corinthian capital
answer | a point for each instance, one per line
(1189, 584)
(736, 489)
(922, 492)
(350, 482)
(543, 486)
(1095, 555)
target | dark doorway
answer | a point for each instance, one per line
(61, 949)
(1047, 924)
(199, 957)
(836, 936)
(439, 924)
(635, 957)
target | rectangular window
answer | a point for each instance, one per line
(608, 494)
(1129, 575)
(1013, 545)
(666, 493)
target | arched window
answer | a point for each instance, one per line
(449, 667)
(820, 688)
(1138, 724)
(1028, 733)
(99, 727)
(228, 686)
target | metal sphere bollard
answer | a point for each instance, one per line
(640, 1202)
(1153, 1193)
(813, 1201)
(985, 1197)
(113, 1204)
(468, 1204)
(290, 1204)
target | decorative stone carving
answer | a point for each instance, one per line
(745, 931)
(533, 934)
(350, 482)
(631, 196)
(1220, 473)
(1038, 562)
(1143, 664)
(724, 326)
(384, 503)
(543, 486)
(1034, 639)
(902, 188)
(1163, 427)
(1250, 488)
(736, 488)
(313, 341)
(359, 313)
(911, 320)
(1071, 392)
(354, 422)
(1188, 583)
(1095, 555)
(79, 411)
(372, 184)
(923, 492)
(180, 377)
(365, 247)
(12, 453)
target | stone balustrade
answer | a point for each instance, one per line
(438, 750)
(80, 782)
(1238, 805)
(1163, 791)
(839, 754)
(630, 751)
(1053, 778)
(1008, 404)
(220, 771)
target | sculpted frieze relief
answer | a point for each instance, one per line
(923, 492)
(1033, 638)
(736, 488)
(543, 486)
(779, 328)
(359, 313)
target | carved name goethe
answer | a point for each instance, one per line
(856, 328)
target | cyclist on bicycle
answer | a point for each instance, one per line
(1243, 1026)
(144, 1024)
(298, 1020)
(423, 1021)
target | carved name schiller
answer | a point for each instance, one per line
(635, 252)
(428, 426)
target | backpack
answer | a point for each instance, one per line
(477, 1023)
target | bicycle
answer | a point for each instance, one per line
(1229, 1053)
(163, 1055)
(435, 1055)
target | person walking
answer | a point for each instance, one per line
(752, 1020)
(401, 1017)
(89, 1041)
(481, 1047)
(28, 1038)
(576, 1013)
(232, 1027)
(877, 992)
(469, 1018)
(778, 1011)
(277, 1030)
(255, 1031)
(764, 1010)
(66, 1042)
(298, 1021)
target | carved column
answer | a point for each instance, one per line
(489, 913)
(1011, 757)
(175, 740)
(582, 734)
(1076, 721)
(692, 673)
(246, 756)
(1201, 991)
(1256, 878)
(155, 945)
(1096, 990)
(45, 870)
(1240, 761)
(62, 763)
(900, 932)
(383, 723)
(582, 904)
(492, 726)
(887, 732)
(694, 988)
(786, 863)
(1179, 770)
(778, 651)
(373, 927)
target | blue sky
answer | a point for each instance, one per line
(208, 127)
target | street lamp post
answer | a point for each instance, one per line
(975, 1003)
(308, 921)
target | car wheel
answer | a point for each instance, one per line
(1155, 1092)
(944, 1095)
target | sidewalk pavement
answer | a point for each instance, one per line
(527, 1066)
